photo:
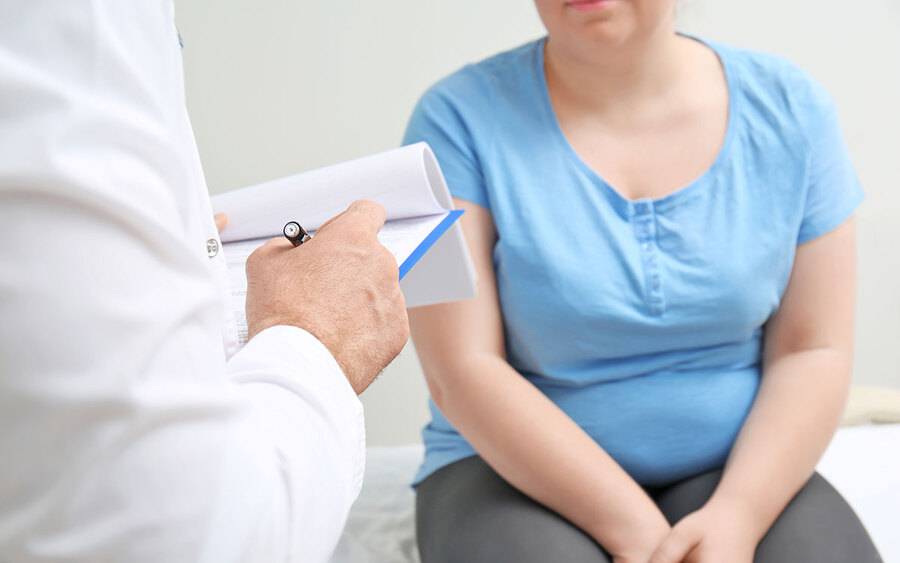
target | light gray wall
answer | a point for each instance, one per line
(280, 86)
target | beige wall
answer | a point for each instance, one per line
(279, 86)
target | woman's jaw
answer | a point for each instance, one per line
(605, 24)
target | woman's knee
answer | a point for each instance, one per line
(817, 526)
(467, 514)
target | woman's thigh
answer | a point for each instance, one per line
(817, 526)
(467, 513)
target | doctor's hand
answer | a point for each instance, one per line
(221, 220)
(342, 286)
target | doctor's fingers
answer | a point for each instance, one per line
(221, 221)
(274, 246)
(361, 219)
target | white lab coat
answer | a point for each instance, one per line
(125, 434)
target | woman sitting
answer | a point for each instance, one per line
(661, 345)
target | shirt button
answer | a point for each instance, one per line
(212, 247)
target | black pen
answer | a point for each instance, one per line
(295, 233)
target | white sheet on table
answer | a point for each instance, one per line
(381, 526)
(862, 462)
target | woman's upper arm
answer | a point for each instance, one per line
(451, 334)
(817, 308)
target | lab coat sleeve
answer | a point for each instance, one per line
(308, 408)
(124, 433)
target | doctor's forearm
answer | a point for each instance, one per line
(795, 415)
(537, 448)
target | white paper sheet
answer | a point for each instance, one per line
(406, 181)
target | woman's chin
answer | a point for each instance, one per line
(603, 34)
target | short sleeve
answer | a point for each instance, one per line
(833, 191)
(446, 118)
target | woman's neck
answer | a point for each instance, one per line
(597, 79)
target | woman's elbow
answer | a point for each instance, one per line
(450, 379)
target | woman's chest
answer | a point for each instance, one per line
(712, 263)
(650, 160)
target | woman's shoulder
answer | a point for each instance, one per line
(476, 84)
(775, 83)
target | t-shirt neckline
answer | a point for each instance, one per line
(624, 206)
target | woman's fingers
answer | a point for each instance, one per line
(677, 545)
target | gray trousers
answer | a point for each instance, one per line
(467, 513)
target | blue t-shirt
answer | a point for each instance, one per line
(642, 320)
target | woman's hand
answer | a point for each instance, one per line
(715, 533)
(642, 541)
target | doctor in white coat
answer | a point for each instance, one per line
(126, 432)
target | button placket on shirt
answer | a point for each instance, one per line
(643, 219)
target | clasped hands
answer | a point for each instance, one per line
(721, 531)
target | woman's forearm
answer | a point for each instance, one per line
(538, 449)
(516, 429)
(795, 415)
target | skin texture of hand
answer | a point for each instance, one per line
(643, 542)
(342, 286)
(641, 552)
(713, 534)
